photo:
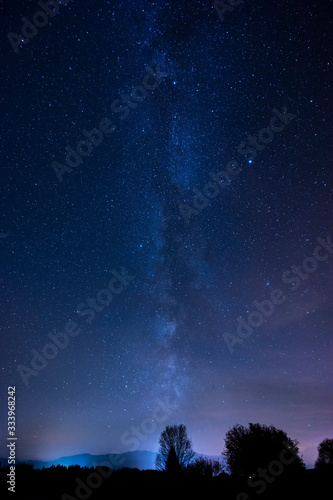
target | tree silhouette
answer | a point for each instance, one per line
(172, 465)
(248, 449)
(205, 467)
(175, 452)
(325, 454)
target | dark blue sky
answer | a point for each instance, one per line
(166, 168)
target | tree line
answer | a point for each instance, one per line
(248, 452)
(260, 463)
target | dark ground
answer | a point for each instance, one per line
(83, 483)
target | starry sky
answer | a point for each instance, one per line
(166, 218)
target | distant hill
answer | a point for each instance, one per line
(132, 459)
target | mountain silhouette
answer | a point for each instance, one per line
(132, 459)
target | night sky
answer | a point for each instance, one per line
(166, 222)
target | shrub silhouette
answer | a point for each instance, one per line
(248, 449)
(204, 467)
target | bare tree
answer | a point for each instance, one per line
(175, 452)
